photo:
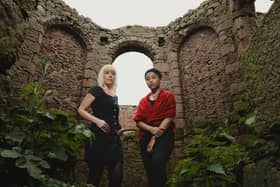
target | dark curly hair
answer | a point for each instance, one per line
(154, 70)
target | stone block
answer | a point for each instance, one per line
(236, 88)
(90, 74)
(227, 48)
(163, 67)
(180, 123)
(87, 83)
(232, 67)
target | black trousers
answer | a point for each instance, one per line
(155, 162)
(115, 172)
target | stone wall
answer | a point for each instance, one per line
(206, 44)
(14, 14)
(197, 53)
(79, 48)
(261, 69)
(203, 76)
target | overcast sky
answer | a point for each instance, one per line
(117, 13)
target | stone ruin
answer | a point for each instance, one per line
(198, 53)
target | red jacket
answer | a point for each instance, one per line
(164, 107)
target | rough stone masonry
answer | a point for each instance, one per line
(198, 53)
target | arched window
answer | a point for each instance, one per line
(130, 67)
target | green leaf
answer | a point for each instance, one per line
(10, 154)
(28, 89)
(51, 155)
(250, 120)
(17, 148)
(216, 168)
(227, 136)
(47, 114)
(49, 93)
(21, 163)
(183, 171)
(44, 164)
(32, 158)
(88, 133)
(58, 112)
(15, 136)
(26, 118)
(197, 130)
(34, 171)
(28, 152)
(242, 119)
(60, 154)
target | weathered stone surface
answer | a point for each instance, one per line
(201, 63)
(260, 65)
(13, 14)
(262, 174)
(232, 68)
(261, 70)
(198, 54)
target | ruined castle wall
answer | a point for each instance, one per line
(57, 31)
(204, 79)
(13, 14)
(197, 53)
(206, 47)
(261, 69)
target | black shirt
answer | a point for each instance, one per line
(106, 146)
(105, 107)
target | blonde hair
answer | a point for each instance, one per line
(103, 70)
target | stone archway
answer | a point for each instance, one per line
(133, 45)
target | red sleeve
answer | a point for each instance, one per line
(170, 106)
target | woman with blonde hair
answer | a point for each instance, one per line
(106, 149)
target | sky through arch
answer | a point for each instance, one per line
(130, 67)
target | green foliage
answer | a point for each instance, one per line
(213, 158)
(50, 182)
(130, 135)
(26, 159)
(35, 140)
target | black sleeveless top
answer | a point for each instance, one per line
(105, 146)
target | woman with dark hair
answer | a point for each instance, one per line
(154, 118)
(106, 149)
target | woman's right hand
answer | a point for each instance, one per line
(103, 126)
(151, 144)
(157, 131)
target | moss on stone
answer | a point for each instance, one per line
(13, 15)
(261, 69)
